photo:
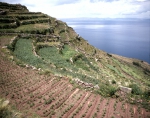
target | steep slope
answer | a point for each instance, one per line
(55, 64)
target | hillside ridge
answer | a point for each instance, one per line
(48, 69)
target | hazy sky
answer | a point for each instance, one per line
(89, 8)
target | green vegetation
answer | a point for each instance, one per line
(51, 47)
(67, 52)
(107, 90)
(33, 28)
(115, 70)
(113, 82)
(52, 55)
(146, 94)
(24, 52)
(6, 111)
(135, 89)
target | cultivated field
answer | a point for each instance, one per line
(53, 96)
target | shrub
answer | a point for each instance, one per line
(112, 90)
(135, 89)
(75, 58)
(146, 94)
(109, 55)
(113, 82)
(106, 90)
(136, 63)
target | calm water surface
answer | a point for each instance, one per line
(126, 37)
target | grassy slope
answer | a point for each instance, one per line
(55, 48)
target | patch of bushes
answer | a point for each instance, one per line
(113, 82)
(136, 63)
(111, 90)
(106, 90)
(109, 55)
(146, 94)
(76, 57)
(135, 89)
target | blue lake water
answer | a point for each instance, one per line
(126, 37)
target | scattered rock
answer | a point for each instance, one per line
(96, 59)
(125, 89)
(5, 103)
(85, 84)
(4, 47)
(71, 60)
(110, 81)
(96, 87)
(28, 67)
(34, 68)
(119, 83)
(11, 57)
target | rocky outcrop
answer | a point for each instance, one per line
(85, 84)
(125, 89)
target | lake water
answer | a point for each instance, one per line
(126, 37)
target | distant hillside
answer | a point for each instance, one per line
(48, 70)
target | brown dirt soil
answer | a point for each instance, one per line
(76, 105)
(92, 109)
(85, 106)
(110, 108)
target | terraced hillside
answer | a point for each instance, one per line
(47, 70)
